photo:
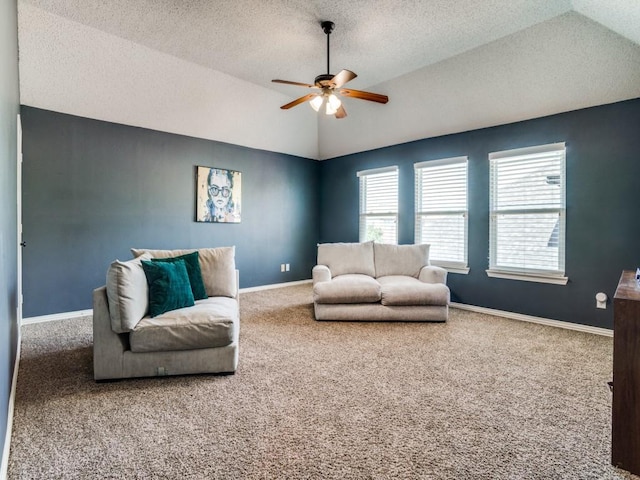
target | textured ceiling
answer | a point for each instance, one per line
(378, 39)
(204, 68)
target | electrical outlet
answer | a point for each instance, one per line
(601, 300)
(286, 267)
(282, 267)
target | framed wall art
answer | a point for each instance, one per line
(218, 195)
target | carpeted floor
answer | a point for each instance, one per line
(478, 397)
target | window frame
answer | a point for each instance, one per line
(553, 276)
(420, 170)
(362, 179)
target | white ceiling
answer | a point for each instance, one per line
(234, 44)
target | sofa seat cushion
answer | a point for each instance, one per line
(408, 291)
(209, 323)
(349, 288)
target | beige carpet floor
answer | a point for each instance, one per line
(478, 397)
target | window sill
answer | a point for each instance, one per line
(556, 280)
(461, 270)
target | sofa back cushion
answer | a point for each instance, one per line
(400, 259)
(344, 258)
(127, 293)
(217, 265)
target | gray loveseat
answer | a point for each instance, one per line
(202, 338)
(375, 281)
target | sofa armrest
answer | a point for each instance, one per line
(320, 273)
(108, 346)
(433, 274)
(237, 295)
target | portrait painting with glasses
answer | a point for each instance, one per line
(218, 195)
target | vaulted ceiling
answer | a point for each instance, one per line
(204, 68)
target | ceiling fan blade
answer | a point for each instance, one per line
(298, 101)
(372, 97)
(341, 113)
(299, 84)
(342, 77)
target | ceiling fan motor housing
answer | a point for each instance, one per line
(323, 80)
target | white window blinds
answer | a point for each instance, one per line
(441, 210)
(379, 205)
(527, 199)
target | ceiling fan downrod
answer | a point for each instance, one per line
(327, 28)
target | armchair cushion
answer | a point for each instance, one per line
(217, 266)
(127, 293)
(207, 324)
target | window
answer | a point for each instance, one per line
(379, 205)
(527, 208)
(441, 211)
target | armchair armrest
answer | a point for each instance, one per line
(321, 273)
(433, 274)
(108, 346)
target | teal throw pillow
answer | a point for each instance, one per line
(192, 262)
(169, 287)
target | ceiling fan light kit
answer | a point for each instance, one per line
(327, 99)
(331, 103)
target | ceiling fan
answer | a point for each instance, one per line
(328, 85)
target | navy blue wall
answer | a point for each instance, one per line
(92, 190)
(9, 104)
(603, 198)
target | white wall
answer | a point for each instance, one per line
(563, 64)
(566, 63)
(71, 68)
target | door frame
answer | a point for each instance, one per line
(19, 299)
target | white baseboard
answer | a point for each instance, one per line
(274, 285)
(4, 466)
(57, 316)
(529, 318)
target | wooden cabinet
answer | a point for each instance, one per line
(625, 412)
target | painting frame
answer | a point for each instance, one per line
(218, 195)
